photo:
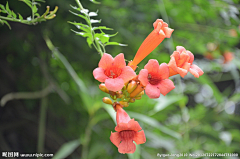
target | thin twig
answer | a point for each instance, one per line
(26, 95)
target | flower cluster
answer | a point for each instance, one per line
(124, 86)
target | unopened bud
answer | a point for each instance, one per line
(132, 100)
(103, 88)
(125, 104)
(107, 100)
(131, 86)
(140, 94)
(137, 98)
(113, 97)
(119, 94)
(139, 89)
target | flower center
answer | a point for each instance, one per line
(153, 78)
(127, 134)
(113, 72)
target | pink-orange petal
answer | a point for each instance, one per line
(164, 71)
(127, 74)
(126, 146)
(115, 138)
(139, 137)
(191, 59)
(105, 61)
(143, 76)
(99, 75)
(134, 125)
(121, 126)
(114, 84)
(172, 64)
(168, 31)
(182, 72)
(184, 57)
(152, 91)
(119, 61)
(122, 116)
(186, 66)
(196, 71)
(180, 49)
(151, 66)
(166, 86)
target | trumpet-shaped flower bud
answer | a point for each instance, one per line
(155, 78)
(107, 100)
(160, 32)
(113, 71)
(128, 131)
(181, 62)
(131, 86)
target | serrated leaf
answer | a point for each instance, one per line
(95, 21)
(80, 16)
(93, 1)
(91, 14)
(20, 17)
(102, 27)
(14, 15)
(115, 43)
(34, 9)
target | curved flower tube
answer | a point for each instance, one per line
(113, 71)
(160, 32)
(155, 78)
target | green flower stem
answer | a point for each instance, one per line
(21, 21)
(96, 42)
(42, 124)
(32, 10)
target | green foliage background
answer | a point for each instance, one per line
(198, 116)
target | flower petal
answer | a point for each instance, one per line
(139, 137)
(119, 61)
(182, 72)
(168, 31)
(196, 71)
(191, 59)
(127, 74)
(127, 146)
(165, 86)
(105, 61)
(99, 75)
(134, 125)
(143, 76)
(121, 126)
(180, 49)
(114, 84)
(115, 138)
(164, 71)
(151, 66)
(152, 91)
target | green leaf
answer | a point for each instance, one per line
(89, 41)
(80, 16)
(7, 8)
(2, 7)
(74, 7)
(37, 15)
(93, 1)
(20, 17)
(81, 26)
(14, 15)
(115, 43)
(4, 21)
(66, 149)
(154, 123)
(165, 101)
(110, 111)
(34, 9)
(102, 27)
(27, 2)
(104, 39)
(83, 34)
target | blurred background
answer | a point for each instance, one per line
(66, 116)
